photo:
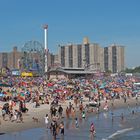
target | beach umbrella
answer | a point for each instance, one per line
(58, 90)
(8, 93)
(118, 89)
(50, 84)
(65, 91)
(6, 105)
(4, 85)
(1, 94)
(22, 96)
(87, 90)
(69, 86)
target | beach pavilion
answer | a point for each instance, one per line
(69, 73)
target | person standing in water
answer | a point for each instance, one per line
(61, 128)
(122, 117)
(54, 129)
(76, 123)
(92, 130)
(83, 114)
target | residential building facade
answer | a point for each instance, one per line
(86, 55)
(10, 59)
(92, 57)
(114, 60)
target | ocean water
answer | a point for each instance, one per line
(108, 125)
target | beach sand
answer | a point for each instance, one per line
(40, 112)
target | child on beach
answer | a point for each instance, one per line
(46, 120)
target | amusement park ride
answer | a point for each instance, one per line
(33, 58)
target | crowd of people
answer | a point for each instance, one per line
(19, 91)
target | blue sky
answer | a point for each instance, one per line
(103, 21)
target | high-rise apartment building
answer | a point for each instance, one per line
(114, 58)
(85, 55)
(92, 56)
(10, 59)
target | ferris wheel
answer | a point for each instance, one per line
(33, 57)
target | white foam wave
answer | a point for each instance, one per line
(118, 133)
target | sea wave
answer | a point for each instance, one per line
(119, 132)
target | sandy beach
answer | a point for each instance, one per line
(40, 112)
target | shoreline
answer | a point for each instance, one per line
(10, 127)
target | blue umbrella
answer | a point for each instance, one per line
(1, 95)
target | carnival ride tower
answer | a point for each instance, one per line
(46, 46)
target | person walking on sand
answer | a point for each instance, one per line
(20, 116)
(67, 113)
(3, 114)
(46, 120)
(10, 115)
(15, 115)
